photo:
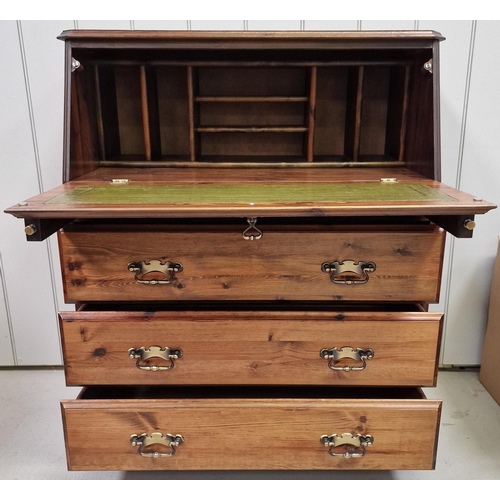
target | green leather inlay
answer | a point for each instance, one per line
(196, 194)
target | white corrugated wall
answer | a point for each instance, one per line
(31, 120)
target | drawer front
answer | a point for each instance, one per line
(250, 433)
(307, 263)
(251, 347)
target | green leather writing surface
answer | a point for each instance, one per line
(248, 193)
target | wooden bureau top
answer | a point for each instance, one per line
(211, 39)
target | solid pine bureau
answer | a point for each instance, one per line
(251, 226)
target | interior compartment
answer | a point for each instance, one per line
(331, 113)
(237, 81)
(173, 116)
(180, 108)
(245, 112)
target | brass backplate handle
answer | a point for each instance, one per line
(354, 446)
(143, 268)
(335, 354)
(166, 353)
(361, 269)
(156, 438)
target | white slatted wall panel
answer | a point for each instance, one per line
(27, 269)
(31, 152)
(6, 344)
(331, 25)
(472, 260)
(455, 71)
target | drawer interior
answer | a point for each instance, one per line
(227, 224)
(249, 393)
(250, 306)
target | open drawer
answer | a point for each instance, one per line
(206, 344)
(250, 428)
(277, 261)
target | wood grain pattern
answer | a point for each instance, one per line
(313, 79)
(256, 347)
(422, 147)
(251, 433)
(172, 110)
(192, 115)
(220, 265)
(145, 113)
(130, 111)
(107, 112)
(85, 143)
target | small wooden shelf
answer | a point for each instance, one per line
(250, 129)
(250, 99)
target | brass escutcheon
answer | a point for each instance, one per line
(168, 440)
(355, 444)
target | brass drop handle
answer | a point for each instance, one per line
(334, 355)
(350, 267)
(156, 438)
(143, 354)
(354, 446)
(252, 232)
(143, 268)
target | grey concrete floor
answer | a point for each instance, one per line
(32, 444)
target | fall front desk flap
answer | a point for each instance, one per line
(129, 198)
